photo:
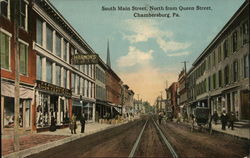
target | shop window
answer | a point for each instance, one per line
(5, 50)
(39, 31)
(4, 8)
(9, 112)
(27, 113)
(58, 45)
(23, 58)
(49, 39)
(48, 71)
(38, 67)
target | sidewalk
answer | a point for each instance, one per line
(243, 133)
(34, 143)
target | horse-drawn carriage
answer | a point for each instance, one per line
(201, 115)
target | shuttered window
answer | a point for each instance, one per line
(23, 58)
(5, 50)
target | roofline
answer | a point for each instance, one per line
(231, 20)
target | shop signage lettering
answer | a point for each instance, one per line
(80, 59)
(53, 88)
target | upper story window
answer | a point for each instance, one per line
(23, 15)
(246, 66)
(5, 8)
(65, 78)
(245, 32)
(65, 51)
(48, 71)
(58, 45)
(234, 41)
(23, 48)
(73, 82)
(58, 75)
(219, 53)
(49, 39)
(5, 50)
(225, 48)
(220, 78)
(38, 67)
(226, 75)
(235, 71)
(39, 31)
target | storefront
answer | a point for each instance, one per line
(8, 106)
(51, 101)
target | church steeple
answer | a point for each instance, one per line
(108, 56)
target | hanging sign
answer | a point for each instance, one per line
(81, 59)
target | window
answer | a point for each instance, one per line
(235, 71)
(58, 75)
(209, 61)
(225, 48)
(58, 45)
(234, 41)
(4, 8)
(38, 67)
(65, 78)
(245, 33)
(219, 53)
(220, 78)
(214, 81)
(226, 75)
(214, 58)
(5, 50)
(73, 82)
(23, 58)
(39, 31)
(23, 14)
(246, 66)
(49, 38)
(49, 71)
(65, 51)
(79, 85)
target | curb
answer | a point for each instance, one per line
(43, 147)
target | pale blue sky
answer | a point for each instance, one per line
(148, 48)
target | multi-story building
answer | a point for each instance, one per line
(219, 78)
(182, 90)
(62, 88)
(127, 100)
(101, 97)
(17, 36)
(171, 93)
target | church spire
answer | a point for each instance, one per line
(108, 55)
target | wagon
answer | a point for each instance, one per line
(201, 116)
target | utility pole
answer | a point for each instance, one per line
(185, 66)
(17, 77)
(138, 101)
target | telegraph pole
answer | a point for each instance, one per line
(17, 77)
(185, 66)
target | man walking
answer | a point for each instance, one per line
(82, 121)
(224, 118)
(73, 124)
(231, 120)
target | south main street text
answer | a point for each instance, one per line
(156, 8)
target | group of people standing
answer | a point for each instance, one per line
(226, 119)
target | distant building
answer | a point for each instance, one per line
(171, 93)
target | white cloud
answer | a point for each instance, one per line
(145, 29)
(134, 57)
(148, 82)
(179, 54)
(171, 45)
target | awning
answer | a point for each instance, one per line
(118, 109)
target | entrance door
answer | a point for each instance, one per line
(245, 106)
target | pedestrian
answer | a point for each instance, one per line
(215, 117)
(52, 127)
(159, 117)
(178, 117)
(82, 121)
(72, 125)
(192, 118)
(231, 119)
(224, 119)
